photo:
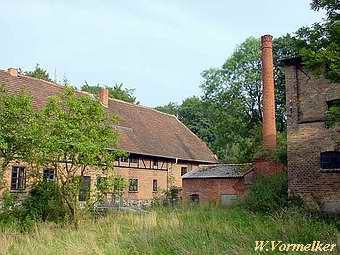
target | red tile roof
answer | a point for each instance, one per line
(142, 130)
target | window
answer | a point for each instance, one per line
(124, 159)
(154, 185)
(49, 175)
(155, 164)
(133, 160)
(84, 191)
(133, 185)
(18, 181)
(330, 160)
(195, 198)
(184, 170)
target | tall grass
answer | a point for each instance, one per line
(197, 230)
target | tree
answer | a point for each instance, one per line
(320, 48)
(233, 95)
(283, 47)
(18, 129)
(77, 133)
(228, 116)
(170, 108)
(39, 73)
(194, 113)
(117, 92)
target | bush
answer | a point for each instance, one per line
(12, 214)
(45, 202)
(268, 194)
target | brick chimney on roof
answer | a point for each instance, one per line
(268, 115)
(12, 71)
(104, 96)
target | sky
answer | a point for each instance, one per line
(157, 47)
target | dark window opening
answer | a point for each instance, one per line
(18, 181)
(330, 160)
(133, 160)
(155, 164)
(184, 170)
(154, 185)
(49, 175)
(195, 198)
(124, 159)
(84, 191)
(133, 185)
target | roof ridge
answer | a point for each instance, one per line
(142, 106)
(88, 93)
(37, 79)
(49, 82)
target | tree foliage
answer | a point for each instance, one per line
(170, 108)
(76, 133)
(117, 91)
(39, 73)
(320, 43)
(18, 129)
(228, 116)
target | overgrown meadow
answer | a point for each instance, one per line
(185, 230)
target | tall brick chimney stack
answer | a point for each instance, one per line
(268, 122)
(104, 96)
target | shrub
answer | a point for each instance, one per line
(268, 194)
(45, 203)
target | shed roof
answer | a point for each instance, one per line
(219, 171)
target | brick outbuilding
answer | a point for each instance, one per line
(221, 184)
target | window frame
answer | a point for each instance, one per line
(20, 179)
(326, 163)
(194, 198)
(154, 185)
(133, 187)
(84, 191)
(186, 170)
(133, 160)
(155, 164)
(47, 178)
(124, 159)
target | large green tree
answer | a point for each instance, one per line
(117, 91)
(76, 134)
(18, 129)
(320, 49)
(228, 116)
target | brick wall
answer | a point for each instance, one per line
(307, 137)
(145, 177)
(211, 189)
(268, 167)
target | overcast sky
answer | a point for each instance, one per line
(157, 47)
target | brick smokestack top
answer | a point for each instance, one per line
(104, 97)
(268, 125)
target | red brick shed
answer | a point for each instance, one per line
(221, 184)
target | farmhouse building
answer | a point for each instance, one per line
(160, 147)
(221, 184)
(313, 146)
